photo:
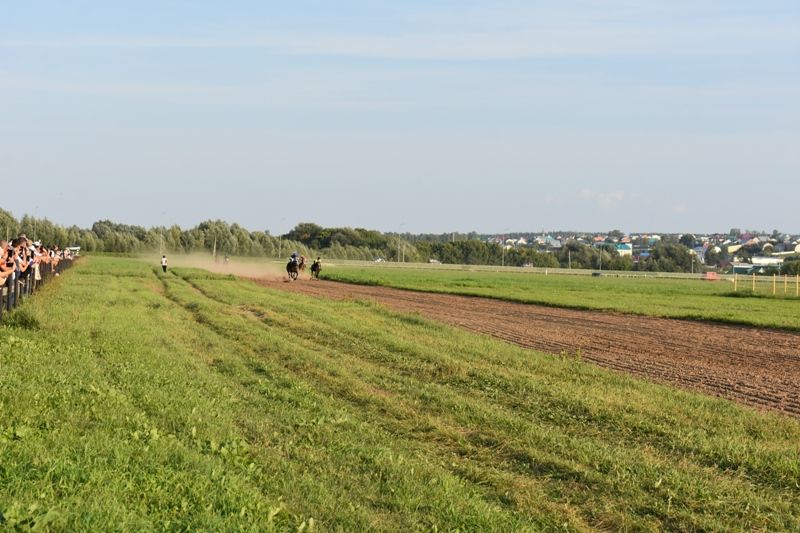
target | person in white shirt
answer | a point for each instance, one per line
(164, 262)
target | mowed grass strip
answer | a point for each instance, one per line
(670, 298)
(194, 401)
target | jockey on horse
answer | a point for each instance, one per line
(296, 264)
(316, 267)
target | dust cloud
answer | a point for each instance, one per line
(246, 267)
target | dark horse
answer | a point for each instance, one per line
(316, 267)
(293, 268)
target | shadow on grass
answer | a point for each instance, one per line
(748, 294)
(22, 318)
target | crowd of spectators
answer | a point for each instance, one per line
(23, 261)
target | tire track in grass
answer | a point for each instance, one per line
(384, 407)
(330, 381)
(327, 364)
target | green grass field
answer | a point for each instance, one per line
(676, 298)
(131, 400)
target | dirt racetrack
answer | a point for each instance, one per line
(756, 366)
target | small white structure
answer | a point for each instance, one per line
(761, 261)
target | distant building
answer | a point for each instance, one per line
(700, 252)
(624, 249)
(767, 261)
(552, 242)
(759, 265)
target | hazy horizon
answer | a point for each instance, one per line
(414, 117)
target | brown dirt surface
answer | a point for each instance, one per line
(755, 366)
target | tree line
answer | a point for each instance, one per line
(664, 256)
(206, 237)
(336, 243)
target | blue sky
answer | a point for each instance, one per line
(414, 116)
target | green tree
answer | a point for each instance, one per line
(688, 240)
(712, 257)
(667, 257)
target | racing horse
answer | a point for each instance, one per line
(294, 268)
(316, 267)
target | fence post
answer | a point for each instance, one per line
(774, 279)
(797, 285)
(754, 283)
(785, 284)
(734, 281)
